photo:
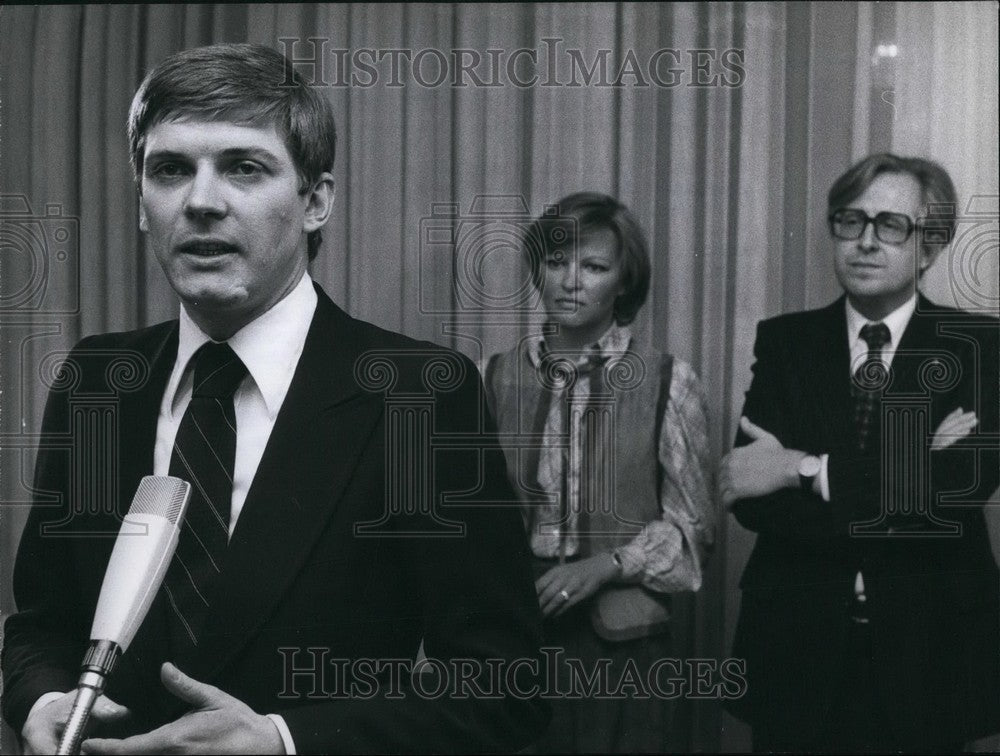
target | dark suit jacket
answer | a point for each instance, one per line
(931, 581)
(300, 588)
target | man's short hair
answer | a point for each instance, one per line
(591, 212)
(247, 84)
(937, 193)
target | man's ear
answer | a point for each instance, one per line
(320, 203)
(143, 222)
(927, 257)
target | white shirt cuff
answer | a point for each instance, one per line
(824, 479)
(284, 732)
(44, 700)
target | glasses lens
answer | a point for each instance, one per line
(893, 228)
(848, 224)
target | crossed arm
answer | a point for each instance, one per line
(759, 478)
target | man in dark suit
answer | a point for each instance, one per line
(868, 446)
(322, 544)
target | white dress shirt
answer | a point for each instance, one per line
(897, 320)
(270, 347)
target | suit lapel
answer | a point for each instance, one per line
(307, 464)
(828, 382)
(139, 415)
(913, 350)
(139, 412)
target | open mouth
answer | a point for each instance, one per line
(207, 248)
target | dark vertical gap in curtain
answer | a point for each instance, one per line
(795, 205)
(29, 145)
(78, 152)
(661, 221)
(528, 136)
(345, 160)
(852, 65)
(196, 26)
(231, 23)
(882, 96)
(142, 273)
(454, 181)
(206, 24)
(183, 16)
(404, 141)
(832, 91)
(310, 19)
(99, 173)
(616, 104)
(701, 194)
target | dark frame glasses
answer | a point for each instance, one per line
(849, 224)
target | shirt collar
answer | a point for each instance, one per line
(896, 320)
(269, 345)
(615, 341)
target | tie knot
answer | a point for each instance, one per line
(875, 335)
(217, 371)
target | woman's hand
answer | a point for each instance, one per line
(568, 584)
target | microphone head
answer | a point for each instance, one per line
(145, 545)
(161, 495)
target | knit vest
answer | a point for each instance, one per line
(636, 388)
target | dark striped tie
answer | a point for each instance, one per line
(869, 380)
(204, 454)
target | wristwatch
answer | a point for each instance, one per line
(617, 558)
(809, 467)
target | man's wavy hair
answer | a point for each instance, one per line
(246, 84)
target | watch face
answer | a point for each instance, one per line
(809, 466)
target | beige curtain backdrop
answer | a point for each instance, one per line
(728, 181)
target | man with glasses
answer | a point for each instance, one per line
(870, 616)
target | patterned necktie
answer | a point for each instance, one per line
(204, 454)
(869, 380)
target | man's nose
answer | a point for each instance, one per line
(868, 241)
(205, 197)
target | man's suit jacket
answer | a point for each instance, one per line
(932, 593)
(300, 587)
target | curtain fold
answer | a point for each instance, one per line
(727, 171)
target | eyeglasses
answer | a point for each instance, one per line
(849, 224)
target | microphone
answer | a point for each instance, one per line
(145, 545)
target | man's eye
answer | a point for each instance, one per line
(893, 223)
(595, 267)
(167, 170)
(851, 220)
(552, 263)
(247, 168)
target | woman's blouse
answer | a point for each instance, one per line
(667, 554)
